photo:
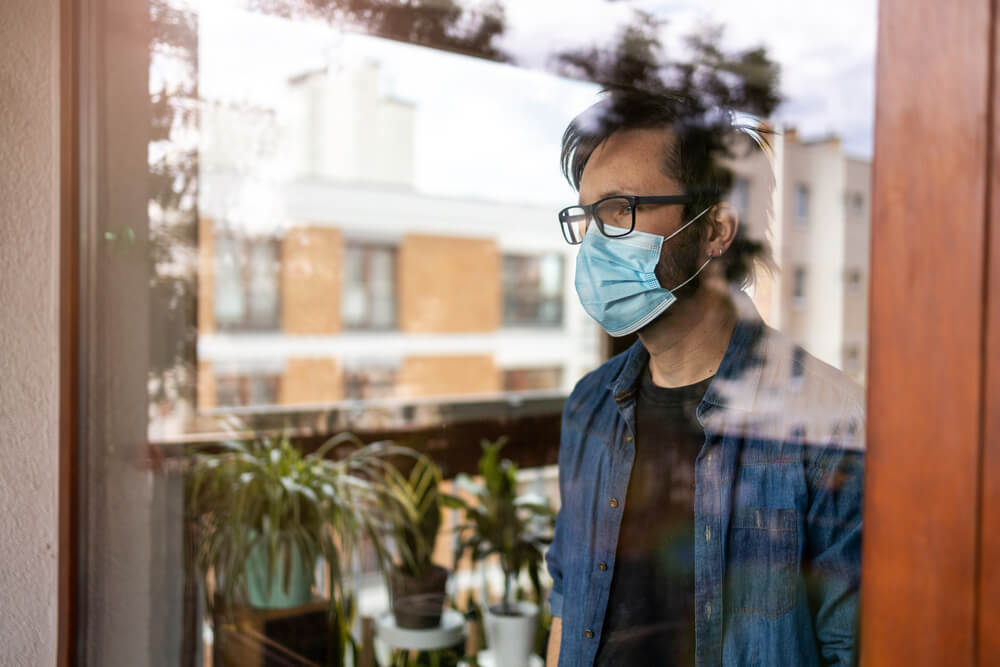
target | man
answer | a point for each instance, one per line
(711, 475)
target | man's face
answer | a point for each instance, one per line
(631, 163)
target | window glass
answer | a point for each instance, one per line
(533, 290)
(262, 285)
(229, 296)
(370, 382)
(357, 229)
(854, 279)
(802, 202)
(799, 286)
(247, 276)
(356, 303)
(246, 390)
(370, 286)
(855, 204)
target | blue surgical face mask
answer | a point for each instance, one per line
(616, 279)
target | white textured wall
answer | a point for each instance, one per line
(824, 330)
(28, 330)
(817, 245)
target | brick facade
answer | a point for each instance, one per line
(311, 277)
(311, 381)
(206, 398)
(448, 284)
(445, 285)
(438, 376)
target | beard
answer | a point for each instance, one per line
(680, 259)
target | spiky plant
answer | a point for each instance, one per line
(417, 516)
(498, 521)
(265, 492)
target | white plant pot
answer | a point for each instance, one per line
(511, 638)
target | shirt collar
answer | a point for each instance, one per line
(735, 383)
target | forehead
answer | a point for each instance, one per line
(628, 162)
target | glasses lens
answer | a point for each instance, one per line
(574, 223)
(615, 215)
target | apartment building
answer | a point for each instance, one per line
(325, 276)
(819, 212)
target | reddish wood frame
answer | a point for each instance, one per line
(931, 560)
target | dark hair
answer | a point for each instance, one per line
(702, 139)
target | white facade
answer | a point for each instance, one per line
(341, 155)
(820, 237)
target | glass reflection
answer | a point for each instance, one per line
(353, 223)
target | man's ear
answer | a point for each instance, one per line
(725, 223)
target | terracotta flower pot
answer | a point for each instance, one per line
(417, 602)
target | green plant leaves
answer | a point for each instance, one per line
(265, 491)
(516, 528)
(416, 519)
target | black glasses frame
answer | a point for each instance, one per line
(567, 217)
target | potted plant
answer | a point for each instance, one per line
(416, 584)
(516, 529)
(266, 515)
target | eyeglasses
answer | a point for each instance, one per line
(614, 216)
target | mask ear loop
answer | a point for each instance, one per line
(681, 229)
(694, 275)
(686, 225)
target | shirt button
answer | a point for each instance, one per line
(589, 634)
(708, 611)
(602, 566)
(708, 459)
(613, 502)
(708, 533)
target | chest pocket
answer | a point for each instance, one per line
(762, 562)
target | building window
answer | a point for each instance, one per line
(533, 290)
(369, 297)
(362, 384)
(246, 283)
(524, 379)
(799, 287)
(856, 204)
(802, 203)
(246, 390)
(854, 279)
(740, 197)
(852, 357)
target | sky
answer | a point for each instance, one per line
(492, 131)
(826, 50)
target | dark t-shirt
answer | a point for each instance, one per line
(650, 614)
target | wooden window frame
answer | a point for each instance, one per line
(936, 123)
(931, 550)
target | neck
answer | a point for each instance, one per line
(688, 343)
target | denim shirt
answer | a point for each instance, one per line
(778, 488)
